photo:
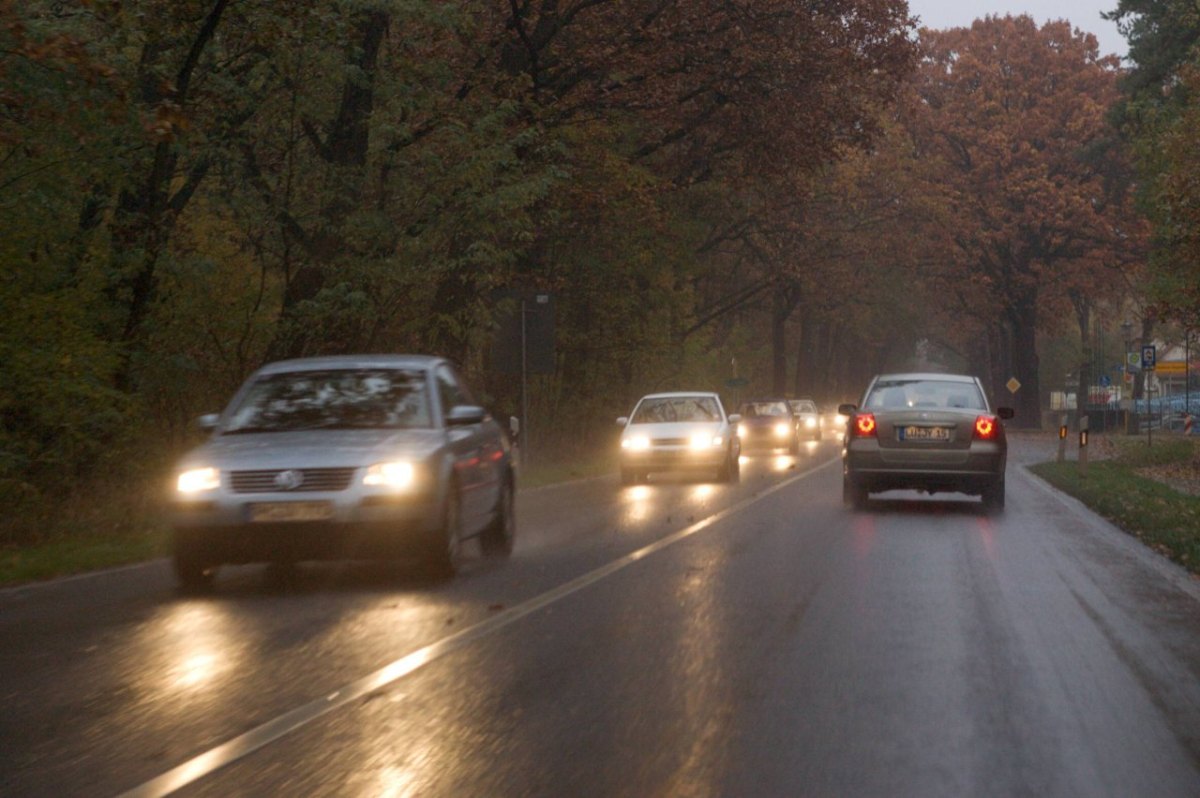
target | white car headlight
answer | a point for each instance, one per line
(741, 430)
(781, 430)
(810, 422)
(399, 475)
(635, 442)
(198, 480)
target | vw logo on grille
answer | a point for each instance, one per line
(289, 480)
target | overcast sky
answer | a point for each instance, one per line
(1082, 14)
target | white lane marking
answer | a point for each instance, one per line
(272, 730)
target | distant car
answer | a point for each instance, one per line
(808, 418)
(349, 457)
(768, 424)
(834, 421)
(679, 431)
(928, 432)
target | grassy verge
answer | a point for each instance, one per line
(1159, 515)
(551, 470)
(109, 521)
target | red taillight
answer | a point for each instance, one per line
(864, 425)
(986, 428)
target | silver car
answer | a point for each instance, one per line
(928, 432)
(350, 457)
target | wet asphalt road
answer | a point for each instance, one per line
(677, 638)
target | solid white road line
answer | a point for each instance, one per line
(272, 730)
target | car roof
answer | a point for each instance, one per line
(678, 394)
(926, 375)
(419, 362)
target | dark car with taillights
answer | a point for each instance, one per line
(928, 432)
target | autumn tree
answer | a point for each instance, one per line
(1158, 116)
(1009, 114)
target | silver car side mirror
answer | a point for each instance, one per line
(622, 421)
(735, 418)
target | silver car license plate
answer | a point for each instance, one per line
(912, 433)
(272, 512)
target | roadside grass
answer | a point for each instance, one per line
(555, 468)
(1166, 519)
(100, 526)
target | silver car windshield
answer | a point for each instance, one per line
(669, 409)
(938, 394)
(333, 399)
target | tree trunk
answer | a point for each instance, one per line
(346, 146)
(781, 310)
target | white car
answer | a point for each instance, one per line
(679, 432)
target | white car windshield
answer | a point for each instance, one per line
(670, 409)
(333, 399)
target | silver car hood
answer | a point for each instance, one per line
(313, 448)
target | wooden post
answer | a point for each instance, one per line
(1083, 442)
(1062, 439)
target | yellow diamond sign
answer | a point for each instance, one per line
(1013, 385)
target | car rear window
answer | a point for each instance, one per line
(915, 394)
(333, 399)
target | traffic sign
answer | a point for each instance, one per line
(1171, 367)
(1105, 380)
(1148, 357)
(1013, 385)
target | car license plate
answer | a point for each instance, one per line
(268, 512)
(924, 433)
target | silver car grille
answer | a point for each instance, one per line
(298, 480)
(670, 441)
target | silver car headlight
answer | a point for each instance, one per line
(810, 422)
(703, 440)
(781, 430)
(398, 475)
(198, 480)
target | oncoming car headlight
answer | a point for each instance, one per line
(395, 476)
(810, 422)
(635, 442)
(781, 430)
(703, 440)
(198, 480)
